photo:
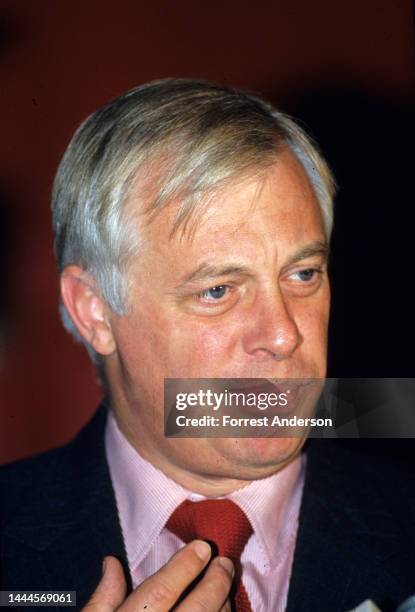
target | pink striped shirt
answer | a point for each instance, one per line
(146, 498)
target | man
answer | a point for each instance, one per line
(192, 225)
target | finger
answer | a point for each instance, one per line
(212, 591)
(161, 591)
(111, 590)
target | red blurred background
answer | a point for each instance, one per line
(59, 61)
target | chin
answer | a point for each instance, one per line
(260, 457)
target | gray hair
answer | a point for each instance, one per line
(186, 137)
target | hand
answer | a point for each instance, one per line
(160, 592)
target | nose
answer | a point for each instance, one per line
(272, 330)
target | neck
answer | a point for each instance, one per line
(206, 484)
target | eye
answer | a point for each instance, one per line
(307, 275)
(305, 281)
(214, 293)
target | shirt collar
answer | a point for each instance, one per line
(146, 498)
(271, 505)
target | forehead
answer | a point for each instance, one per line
(252, 211)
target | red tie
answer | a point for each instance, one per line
(219, 521)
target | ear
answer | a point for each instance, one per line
(88, 311)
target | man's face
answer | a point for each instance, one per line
(245, 295)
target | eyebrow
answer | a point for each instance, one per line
(205, 271)
(211, 271)
(315, 249)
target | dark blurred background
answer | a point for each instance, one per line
(344, 68)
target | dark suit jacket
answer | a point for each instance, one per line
(355, 539)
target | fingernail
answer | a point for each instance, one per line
(104, 566)
(202, 549)
(227, 565)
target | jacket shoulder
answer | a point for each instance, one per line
(44, 482)
(377, 474)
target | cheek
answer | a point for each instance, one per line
(156, 344)
(312, 315)
(201, 349)
(313, 325)
(142, 347)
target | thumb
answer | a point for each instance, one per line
(111, 590)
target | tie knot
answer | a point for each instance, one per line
(222, 523)
(219, 521)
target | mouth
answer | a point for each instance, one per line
(280, 397)
(270, 385)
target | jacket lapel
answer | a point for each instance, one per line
(345, 539)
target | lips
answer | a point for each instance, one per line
(269, 385)
(295, 392)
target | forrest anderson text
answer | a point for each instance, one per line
(264, 421)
